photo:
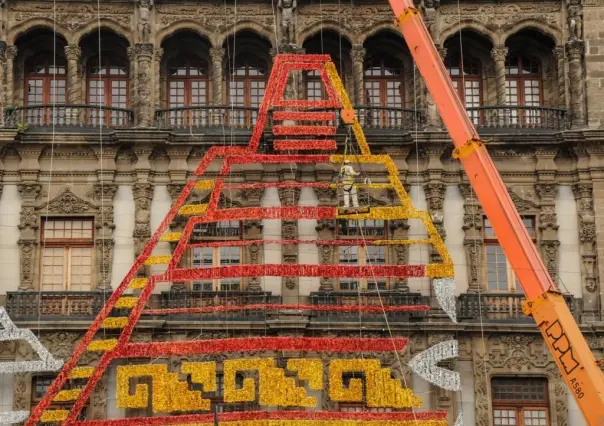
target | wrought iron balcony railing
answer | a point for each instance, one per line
(518, 117)
(498, 307)
(369, 298)
(54, 304)
(205, 116)
(67, 116)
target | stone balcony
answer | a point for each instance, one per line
(67, 116)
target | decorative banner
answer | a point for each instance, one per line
(424, 365)
(445, 294)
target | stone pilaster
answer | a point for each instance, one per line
(11, 55)
(548, 226)
(499, 54)
(433, 121)
(473, 241)
(289, 231)
(252, 230)
(157, 77)
(575, 49)
(74, 89)
(399, 231)
(28, 225)
(104, 242)
(143, 195)
(357, 55)
(144, 113)
(131, 53)
(587, 247)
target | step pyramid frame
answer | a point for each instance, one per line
(112, 349)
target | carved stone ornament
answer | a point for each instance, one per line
(325, 225)
(68, 203)
(29, 191)
(325, 254)
(289, 230)
(175, 189)
(73, 16)
(499, 16)
(26, 252)
(516, 354)
(105, 191)
(521, 204)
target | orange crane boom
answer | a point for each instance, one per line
(547, 306)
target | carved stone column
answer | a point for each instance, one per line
(157, 87)
(143, 194)
(433, 121)
(326, 228)
(217, 56)
(73, 54)
(399, 229)
(289, 231)
(144, 113)
(28, 225)
(2, 81)
(587, 238)
(548, 225)
(357, 55)
(131, 53)
(575, 49)
(11, 55)
(498, 54)
(473, 242)
(104, 224)
(252, 230)
(561, 74)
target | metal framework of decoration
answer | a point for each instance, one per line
(297, 126)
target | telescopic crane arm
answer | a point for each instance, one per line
(547, 306)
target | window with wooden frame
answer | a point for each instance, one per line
(213, 257)
(188, 86)
(520, 401)
(67, 254)
(45, 82)
(499, 273)
(107, 86)
(523, 85)
(246, 84)
(469, 83)
(39, 389)
(315, 90)
(368, 230)
(384, 87)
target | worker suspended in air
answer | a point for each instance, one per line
(347, 175)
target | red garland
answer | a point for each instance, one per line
(298, 270)
(271, 415)
(304, 130)
(244, 213)
(251, 344)
(259, 158)
(310, 144)
(243, 243)
(275, 307)
(304, 116)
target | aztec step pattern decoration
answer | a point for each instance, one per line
(181, 401)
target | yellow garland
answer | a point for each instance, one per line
(102, 345)
(381, 389)
(399, 242)
(115, 322)
(204, 184)
(169, 393)
(138, 283)
(171, 236)
(54, 416)
(126, 302)
(274, 388)
(325, 423)
(310, 370)
(158, 260)
(332, 73)
(191, 209)
(81, 372)
(67, 395)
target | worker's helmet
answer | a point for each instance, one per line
(346, 161)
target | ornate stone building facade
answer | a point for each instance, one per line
(106, 109)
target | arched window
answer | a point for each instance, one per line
(247, 82)
(384, 89)
(107, 86)
(188, 86)
(523, 87)
(468, 83)
(45, 79)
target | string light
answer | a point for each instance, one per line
(445, 294)
(10, 417)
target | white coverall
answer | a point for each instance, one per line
(350, 189)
